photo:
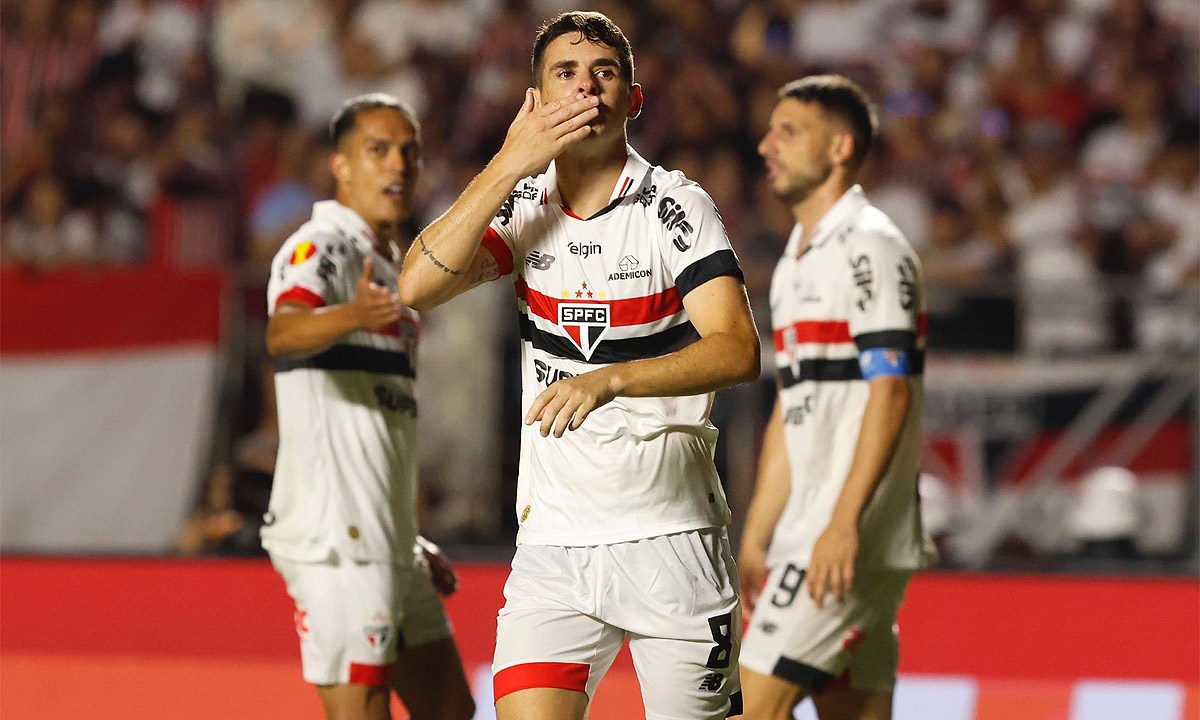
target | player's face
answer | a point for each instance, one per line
(377, 166)
(797, 149)
(572, 65)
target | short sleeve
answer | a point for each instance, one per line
(500, 238)
(307, 270)
(886, 296)
(694, 244)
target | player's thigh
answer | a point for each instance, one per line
(850, 643)
(542, 704)
(689, 679)
(848, 703)
(352, 701)
(768, 697)
(431, 683)
(544, 648)
(429, 675)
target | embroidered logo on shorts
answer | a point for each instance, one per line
(853, 638)
(378, 631)
(300, 617)
(712, 682)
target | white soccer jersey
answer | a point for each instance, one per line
(345, 476)
(600, 291)
(857, 287)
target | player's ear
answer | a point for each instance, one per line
(841, 147)
(339, 166)
(636, 100)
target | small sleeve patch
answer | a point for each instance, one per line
(883, 362)
(303, 251)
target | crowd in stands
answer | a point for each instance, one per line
(1043, 156)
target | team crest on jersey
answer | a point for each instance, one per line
(585, 324)
(303, 251)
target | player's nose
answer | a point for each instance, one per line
(587, 85)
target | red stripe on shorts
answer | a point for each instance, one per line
(363, 674)
(565, 676)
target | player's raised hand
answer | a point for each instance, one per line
(832, 565)
(375, 306)
(567, 403)
(540, 132)
(752, 572)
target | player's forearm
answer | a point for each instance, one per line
(437, 264)
(772, 489)
(302, 331)
(883, 421)
(718, 360)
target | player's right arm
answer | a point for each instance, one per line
(770, 495)
(446, 259)
(297, 329)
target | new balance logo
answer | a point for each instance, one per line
(539, 260)
(712, 682)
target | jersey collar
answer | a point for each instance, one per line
(843, 211)
(633, 176)
(346, 221)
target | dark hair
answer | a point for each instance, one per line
(346, 117)
(844, 100)
(595, 27)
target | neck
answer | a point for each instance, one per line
(809, 211)
(586, 179)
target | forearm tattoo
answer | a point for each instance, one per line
(437, 263)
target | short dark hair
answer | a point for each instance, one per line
(595, 27)
(843, 99)
(346, 117)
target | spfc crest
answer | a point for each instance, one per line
(585, 324)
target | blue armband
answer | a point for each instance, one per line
(880, 362)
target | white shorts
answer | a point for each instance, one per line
(568, 610)
(347, 614)
(854, 643)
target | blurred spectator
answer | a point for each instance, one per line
(1116, 157)
(164, 36)
(47, 233)
(1167, 244)
(51, 49)
(1064, 305)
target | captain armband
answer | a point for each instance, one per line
(881, 362)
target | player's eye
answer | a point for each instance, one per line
(565, 74)
(605, 74)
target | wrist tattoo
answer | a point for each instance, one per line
(437, 263)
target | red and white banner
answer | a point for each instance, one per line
(108, 386)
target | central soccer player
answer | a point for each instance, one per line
(632, 313)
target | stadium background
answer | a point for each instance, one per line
(1041, 155)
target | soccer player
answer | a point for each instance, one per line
(834, 516)
(341, 524)
(632, 312)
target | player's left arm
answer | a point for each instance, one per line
(884, 320)
(726, 354)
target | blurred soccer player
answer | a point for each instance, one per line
(834, 519)
(632, 313)
(341, 526)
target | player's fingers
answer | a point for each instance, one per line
(568, 109)
(574, 122)
(816, 586)
(581, 414)
(574, 136)
(368, 265)
(848, 577)
(535, 410)
(527, 104)
(550, 414)
(835, 582)
(563, 418)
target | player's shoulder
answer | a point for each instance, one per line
(312, 238)
(677, 197)
(525, 197)
(873, 231)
